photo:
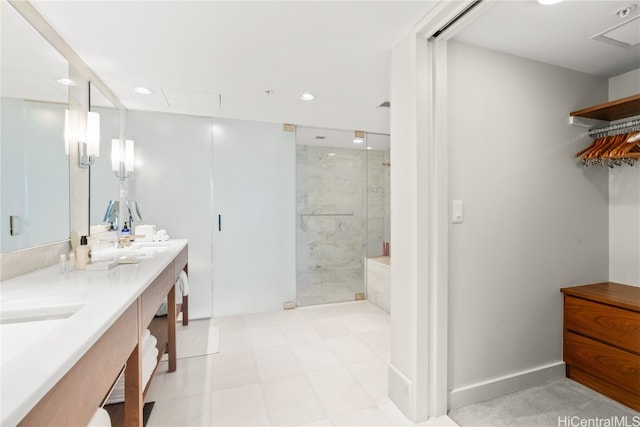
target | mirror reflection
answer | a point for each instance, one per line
(34, 209)
(104, 185)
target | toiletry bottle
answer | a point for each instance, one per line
(71, 264)
(83, 254)
(125, 231)
(63, 263)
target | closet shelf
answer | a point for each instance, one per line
(610, 111)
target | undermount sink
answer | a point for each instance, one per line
(23, 323)
(39, 311)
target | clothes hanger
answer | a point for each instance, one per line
(594, 143)
(612, 143)
(623, 148)
(615, 148)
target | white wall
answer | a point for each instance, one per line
(624, 201)
(404, 178)
(535, 221)
(172, 184)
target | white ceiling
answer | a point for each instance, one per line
(194, 53)
(30, 65)
(217, 58)
(558, 34)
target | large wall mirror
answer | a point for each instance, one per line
(34, 209)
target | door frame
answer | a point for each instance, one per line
(418, 371)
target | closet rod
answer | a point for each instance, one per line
(615, 129)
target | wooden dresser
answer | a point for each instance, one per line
(601, 339)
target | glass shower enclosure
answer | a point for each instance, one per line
(340, 212)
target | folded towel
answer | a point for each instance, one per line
(183, 283)
(149, 361)
(162, 310)
(148, 365)
(150, 344)
(100, 419)
(149, 348)
(145, 334)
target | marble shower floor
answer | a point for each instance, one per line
(327, 293)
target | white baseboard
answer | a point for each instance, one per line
(399, 389)
(500, 386)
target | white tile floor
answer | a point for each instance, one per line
(318, 365)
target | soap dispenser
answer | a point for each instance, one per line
(83, 254)
(126, 232)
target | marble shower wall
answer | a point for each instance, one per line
(336, 207)
(378, 201)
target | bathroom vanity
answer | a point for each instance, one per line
(66, 337)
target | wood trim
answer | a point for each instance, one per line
(153, 296)
(610, 293)
(185, 310)
(611, 325)
(604, 387)
(610, 111)
(133, 401)
(603, 361)
(181, 261)
(171, 326)
(91, 376)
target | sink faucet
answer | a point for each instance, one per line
(112, 215)
(133, 212)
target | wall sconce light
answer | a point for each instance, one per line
(88, 141)
(122, 158)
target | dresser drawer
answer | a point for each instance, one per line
(612, 325)
(606, 362)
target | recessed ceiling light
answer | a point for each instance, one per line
(548, 2)
(306, 96)
(66, 81)
(358, 140)
(626, 11)
(143, 90)
(369, 148)
(332, 154)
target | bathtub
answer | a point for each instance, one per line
(379, 281)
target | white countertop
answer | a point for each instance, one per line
(36, 355)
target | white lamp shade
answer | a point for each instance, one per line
(128, 156)
(115, 155)
(93, 134)
(122, 157)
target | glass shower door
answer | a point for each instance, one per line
(331, 216)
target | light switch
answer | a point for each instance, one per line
(457, 212)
